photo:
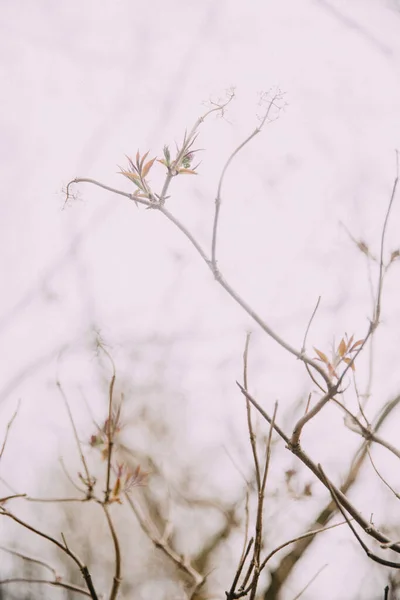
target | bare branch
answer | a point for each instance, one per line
(382, 478)
(339, 504)
(296, 539)
(83, 568)
(231, 593)
(56, 583)
(260, 509)
(303, 348)
(30, 559)
(305, 459)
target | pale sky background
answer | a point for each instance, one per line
(86, 83)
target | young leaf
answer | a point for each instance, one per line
(321, 355)
(147, 167)
(132, 176)
(348, 361)
(117, 488)
(354, 346)
(332, 372)
(187, 172)
(142, 161)
(342, 348)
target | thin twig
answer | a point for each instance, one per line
(110, 425)
(303, 348)
(303, 536)
(295, 439)
(381, 265)
(30, 559)
(253, 442)
(9, 425)
(89, 479)
(57, 500)
(66, 586)
(276, 96)
(160, 542)
(11, 497)
(368, 433)
(296, 539)
(83, 568)
(367, 527)
(68, 476)
(381, 477)
(231, 593)
(117, 573)
(260, 510)
(246, 529)
(305, 588)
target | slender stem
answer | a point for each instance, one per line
(83, 568)
(313, 578)
(296, 539)
(110, 425)
(77, 440)
(117, 573)
(260, 510)
(303, 349)
(30, 559)
(225, 169)
(66, 586)
(295, 440)
(231, 593)
(109, 189)
(9, 425)
(159, 542)
(248, 411)
(381, 265)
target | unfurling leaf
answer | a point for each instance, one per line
(187, 171)
(395, 254)
(354, 346)
(117, 488)
(348, 361)
(331, 371)
(143, 159)
(321, 355)
(363, 247)
(132, 176)
(342, 348)
(147, 167)
(167, 155)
